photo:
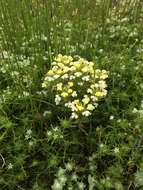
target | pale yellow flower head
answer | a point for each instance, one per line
(76, 85)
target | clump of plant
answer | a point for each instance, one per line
(67, 177)
(77, 85)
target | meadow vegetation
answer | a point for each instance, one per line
(71, 95)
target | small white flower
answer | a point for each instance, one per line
(43, 37)
(74, 177)
(78, 74)
(45, 58)
(25, 93)
(44, 85)
(55, 136)
(116, 150)
(74, 94)
(73, 108)
(61, 137)
(102, 84)
(95, 105)
(53, 63)
(10, 166)
(57, 185)
(68, 104)
(135, 110)
(52, 78)
(55, 68)
(80, 83)
(14, 73)
(46, 113)
(57, 99)
(74, 116)
(100, 50)
(111, 117)
(31, 143)
(91, 182)
(61, 172)
(86, 113)
(56, 129)
(85, 78)
(49, 133)
(89, 91)
(72, 77)
(29, 132)
(101, 145)
(56, 76)
(94, 98)
(62, 179)
(80, 185)
(69, 166)
(5, 54)
(65, 76)
(104, 91)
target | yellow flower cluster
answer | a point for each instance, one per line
(77, 84)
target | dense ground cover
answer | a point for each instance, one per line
(41, 147)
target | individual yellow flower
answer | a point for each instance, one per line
(64, 94)
(81, 61)
(91, 63)
(66, 69)
(59, 72)
(44, 85)
(90, 107)
(70, 91)
(89, 90)
(104, 74)
(50, 72)
(97, 71)
(77, 65)
(93, 86)
(73, 68)
(85, 69)
(70, 58)
(76, 102)
(60, 65)
(99, 94)
(70, 84)
(85, 100)
(79, 105)
(59, 86)
(59, 58)
(55, 68)
(67, 59)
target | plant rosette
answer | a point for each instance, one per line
(76, 84)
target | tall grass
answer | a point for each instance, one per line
(58, 22)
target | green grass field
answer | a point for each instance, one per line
(46, 145)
